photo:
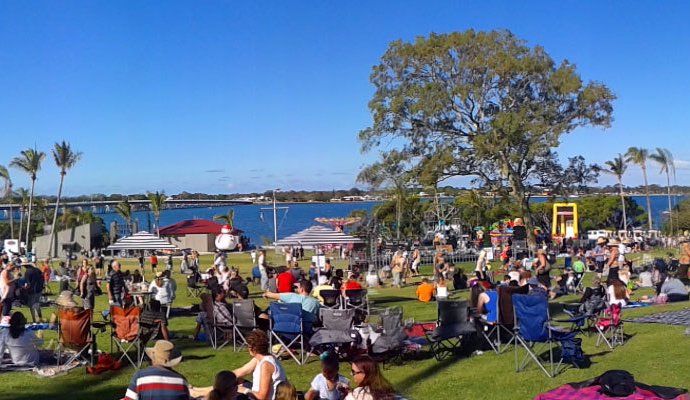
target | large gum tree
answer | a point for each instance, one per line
(480, 104)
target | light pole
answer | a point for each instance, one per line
(275, 217)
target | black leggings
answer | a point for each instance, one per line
(674, 297)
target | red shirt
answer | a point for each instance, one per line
(284, 282)
(351, 285)
(154, 260)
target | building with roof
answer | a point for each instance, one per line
(196, 234)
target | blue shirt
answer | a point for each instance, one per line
(309, 304)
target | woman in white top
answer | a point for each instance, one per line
(160, 290)
(20, 342)
(266, 370)
(371, 384)
(618, 293)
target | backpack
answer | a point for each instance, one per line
(616, 383)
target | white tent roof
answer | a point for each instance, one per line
(142, 241)
(317, 235)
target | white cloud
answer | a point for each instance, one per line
(682, 164)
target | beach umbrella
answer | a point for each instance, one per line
(317, 235)
(142, 241)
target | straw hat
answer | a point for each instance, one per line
(66, 299)
(159, 274)
(164, 353)
(613, 242)
(601, 240)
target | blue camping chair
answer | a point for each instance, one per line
(492, 324)
(532, 328)
(288, 329)
(452, 326)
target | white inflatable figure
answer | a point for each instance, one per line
(226, 240)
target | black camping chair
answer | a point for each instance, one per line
(452, 326)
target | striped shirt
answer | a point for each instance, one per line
(157, 383)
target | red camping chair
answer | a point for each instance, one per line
(74, 333)
(610, 327)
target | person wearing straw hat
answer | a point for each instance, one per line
(159, 381)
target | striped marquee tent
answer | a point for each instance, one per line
(142, 241)
(317, 235)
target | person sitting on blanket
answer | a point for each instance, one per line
(674, 289)
(22, 344)
(644, 280)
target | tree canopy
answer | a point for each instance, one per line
(480, 104)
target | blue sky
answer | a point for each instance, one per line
(225, 97)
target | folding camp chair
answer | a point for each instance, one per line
(244, 322)
(358, 300)
(389, 345)
(491, 327)
(451, 327)
(193, 287)
(532, 328)
(331, 298)
(217, 333)
(288, 329)
(336, 331)
(75, 333)
(610, 324)
(129, 334)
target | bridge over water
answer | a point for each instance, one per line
(105, 206)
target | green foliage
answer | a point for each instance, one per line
(228, 218)
(604, 212)
(412, 209)
(482, 104)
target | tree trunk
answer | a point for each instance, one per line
(398, 215)
(670, 209)
(28, 217)
(52, 250)
(625, 216)
(21, 223)
(646, 192)
(11, 219)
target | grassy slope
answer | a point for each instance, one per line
(655, 354)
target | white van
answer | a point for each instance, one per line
(594, 235)
(12, 245)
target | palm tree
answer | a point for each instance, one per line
(157, 200)
(664, 158)
(228, 218)
(639, 156)
(29, 162)
(7, 193)
(124, 208)
(65, 159)
(617, 167)
(23, 194)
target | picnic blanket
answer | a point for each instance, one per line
(567, 392)
(681, 317)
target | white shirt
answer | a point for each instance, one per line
(162, 294)
(646, 279)
(481, 261)
(277, 376)
(359, 394)
(613, 299)
(320, 385)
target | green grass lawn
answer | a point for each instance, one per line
(655, 354)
